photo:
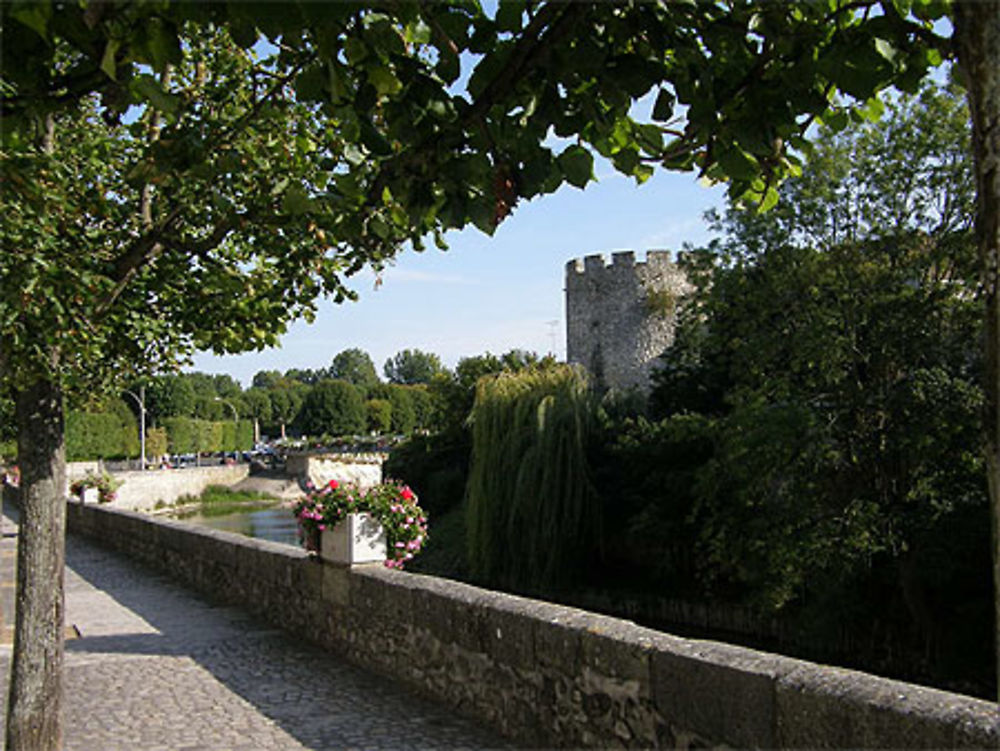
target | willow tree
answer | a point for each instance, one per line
(248, 188)
(534, 515)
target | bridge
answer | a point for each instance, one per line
(152, 666)
(250, 644)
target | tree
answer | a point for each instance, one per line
(286, 404)
(411, 366)
(334, 408)
(255, 403)
(977, 39)
(379, 415)
(354, 366)
(266, 379)
(534, 518)
(839, 334)
(134, 250)
(403, 414)
(169, 396)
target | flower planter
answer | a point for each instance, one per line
(359, 538)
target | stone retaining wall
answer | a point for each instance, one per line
(363, 470)
(544, 674)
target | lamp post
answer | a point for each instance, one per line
(236, 422)
(140, 399)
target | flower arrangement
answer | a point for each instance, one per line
(107, 486)
(392, 504)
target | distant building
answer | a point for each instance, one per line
(621, 316)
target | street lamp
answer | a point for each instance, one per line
(236, 422)
(140, 399)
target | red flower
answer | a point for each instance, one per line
(333, 484)
(406, 494)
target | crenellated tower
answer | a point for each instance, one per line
(621, 316)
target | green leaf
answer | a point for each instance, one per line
(737, 163)
(295, 201)
(886, 50)
(769, 200)
(448, 67)
(34, 15)
(243, 32)
(510, 15)
(836, 121)
(148, 88)
(163, 45)
(383, 80)
(309, 84)
(355, 50)
(577, 165)
(108, 64)
(663, 110)
(418, 32)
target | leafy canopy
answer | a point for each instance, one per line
(200, 190)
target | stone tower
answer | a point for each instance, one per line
(621, 316)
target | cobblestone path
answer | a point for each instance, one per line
(155, 667)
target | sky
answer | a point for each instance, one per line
(490, 294)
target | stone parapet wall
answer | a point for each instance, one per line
(545, 674)
(363, 470)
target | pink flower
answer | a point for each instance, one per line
(400, 545)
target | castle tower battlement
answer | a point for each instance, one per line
(621, 315)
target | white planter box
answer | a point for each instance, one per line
(359, 538)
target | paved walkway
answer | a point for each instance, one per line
(157, 667)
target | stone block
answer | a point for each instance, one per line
(825, 707)
(558, 639)
(336, 586)
(719, 692)
(617, 648)
(451, 614)
(509, 631)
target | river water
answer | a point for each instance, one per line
(274, 524)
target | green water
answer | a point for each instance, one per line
(275, 524)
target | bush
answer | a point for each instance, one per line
(92, 435)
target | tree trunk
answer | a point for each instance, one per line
(977, 34)
(34, 702)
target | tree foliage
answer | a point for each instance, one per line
(533, 514)
(354, 366)
(412, 366)
(333, 408)
(830, 361)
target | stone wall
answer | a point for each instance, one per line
(621, 316)
(363, 470)
(141, 491)
(544, 674)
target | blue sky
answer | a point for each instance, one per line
(490, 294)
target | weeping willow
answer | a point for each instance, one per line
(533, 514)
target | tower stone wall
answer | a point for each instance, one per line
(621, 316)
